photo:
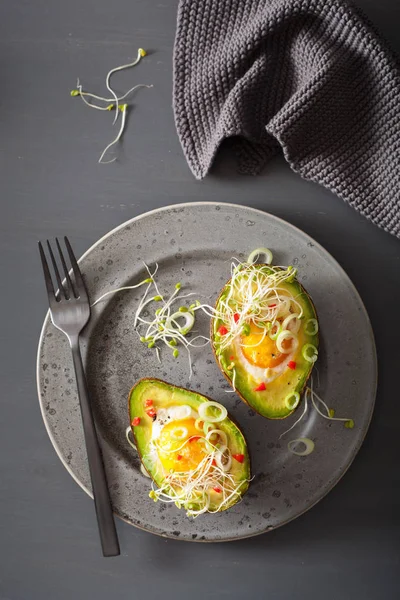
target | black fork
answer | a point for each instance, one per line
(70, 312)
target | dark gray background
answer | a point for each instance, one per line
(348, 545)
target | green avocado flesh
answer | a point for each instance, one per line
(165, 396)
(271, 402)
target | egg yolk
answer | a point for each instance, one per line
(265, 354)
(174, 453)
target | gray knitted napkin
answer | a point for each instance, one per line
(306, 77)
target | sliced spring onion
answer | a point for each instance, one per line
(292, 323)
(309, 352)
(207, 426)
(275, 331)
(179, 433)
(258, 254)
(223, 458)
(205, 414)
(306, 442)
(199, 424)
(222, 437)
(311, 327)
(292, 400)
(172, 322)
(128, 434)
(287, 335)
(301, 416)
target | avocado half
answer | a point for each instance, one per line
(271, 402)
(165, 395)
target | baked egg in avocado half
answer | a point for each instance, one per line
(265, 337)
(195, 454)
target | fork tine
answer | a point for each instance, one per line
(47, 277)
(77, 272)
(70, 287)
(56, 271)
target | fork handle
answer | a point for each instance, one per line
(105, 518)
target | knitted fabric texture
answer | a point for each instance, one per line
(306, 77)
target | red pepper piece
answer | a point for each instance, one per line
(194, 438)
(148, 402)
(179, 457)
(222, 330)
(231, 358)
(271, 305)
(214, 462)
(151, 412)
(135, 421)
(217, 489)
(236, 317)
(291, 364)
(238, 457)
(261, 387)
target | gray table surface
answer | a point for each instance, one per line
(347, 546)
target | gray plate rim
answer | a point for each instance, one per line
(290, 226)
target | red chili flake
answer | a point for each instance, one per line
(214, 462)
(271, 305)
(135, 421)
(148, 402)
(222, 330)
(217, 489)
(291, 364)
(261, 387)
(238, 457)
(236, 317)
(179, 457)
(231, 358)
(194, 438)
(151, 412)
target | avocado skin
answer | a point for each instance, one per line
(179, 395)
(270, 404)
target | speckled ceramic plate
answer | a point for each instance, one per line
(194, 243)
